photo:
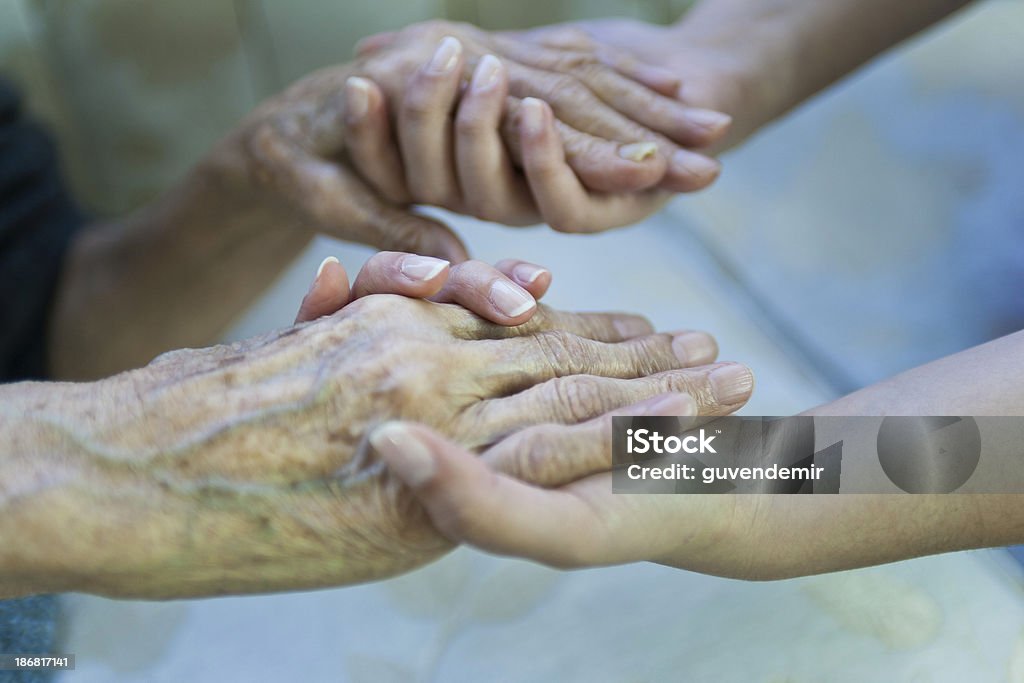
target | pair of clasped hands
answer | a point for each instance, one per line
(462, 135)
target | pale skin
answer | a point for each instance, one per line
(743, 536)
(754, 60)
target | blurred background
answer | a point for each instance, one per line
(879, 227)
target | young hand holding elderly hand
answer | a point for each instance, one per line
(245, 467)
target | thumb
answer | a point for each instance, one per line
(328, 294)
(469, 502)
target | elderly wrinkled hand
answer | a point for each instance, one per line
(604, 100)
(326, 155)
(245, 468)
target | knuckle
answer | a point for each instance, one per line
(566, 87)
(418, 106)
(576, 398)
(654, 354)
(684, 382)
(261, 144)
(376, 307)
(573, 35)
(535, 461)
(472, 125)
(561, 351)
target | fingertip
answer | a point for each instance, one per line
(511, 303)
(323, 264)
(405, 451)
(689, 171)
(707, 126)
(357, 99)
(487, 74)
(660, 80)
(446, 57)
(731, 383)
(534, 120)
(638, 151)
(539, 286)
(531, 277)
(425, 274)
(694, 348)
(328, 293)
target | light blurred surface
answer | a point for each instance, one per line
(875, 229)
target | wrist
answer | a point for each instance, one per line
(744, 67)
(173, 274)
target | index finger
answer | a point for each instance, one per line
(604, 327)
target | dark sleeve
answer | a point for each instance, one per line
(37, 222)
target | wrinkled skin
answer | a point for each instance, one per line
(244, 468)
(287, 161)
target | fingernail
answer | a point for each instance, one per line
(694, 348)
(695, 164)
(405, 455)
(680, 405)
(323, 264)
(532, 112)
(638, 151)
(357, 98)
(486, 73)
(731, 384)
(706, 118)
(629, 327)
(511, 299)
(447, 54)
(528, 273)
(422, 268)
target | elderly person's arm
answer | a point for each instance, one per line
(245, 468)
(744, 536)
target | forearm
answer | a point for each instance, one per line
(780, 52)
(231, 469)
(174, 274)
(799, 535)
(37, 466)
(984, 380)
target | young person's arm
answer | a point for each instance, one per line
(757, 59)
(744, 536)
